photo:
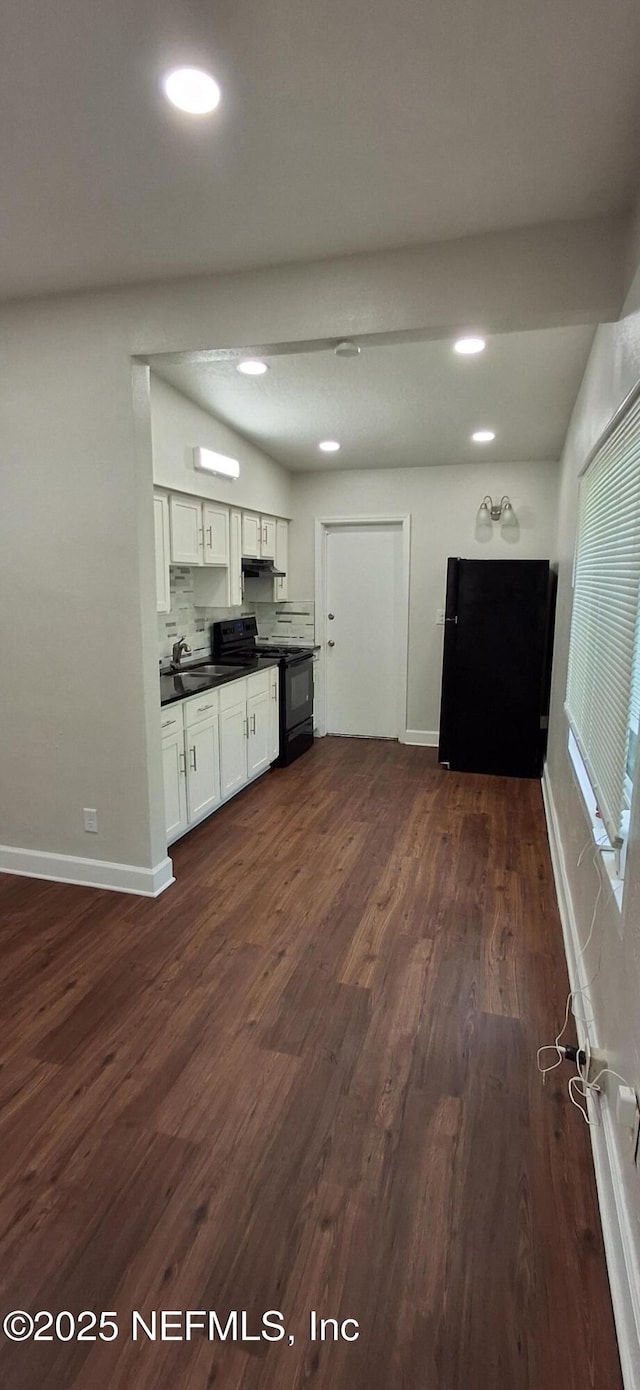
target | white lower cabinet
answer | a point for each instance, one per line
(233, 747)
(258, 741)
(214, 743)
(175, 785)
(203, 768)
(274, 714)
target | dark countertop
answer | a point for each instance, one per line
(180, 685)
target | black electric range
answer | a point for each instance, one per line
(234, 641)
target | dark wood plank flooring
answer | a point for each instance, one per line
(304, 1078)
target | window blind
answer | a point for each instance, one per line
(604, 615)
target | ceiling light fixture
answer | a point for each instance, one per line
(347, 349)
(207, 461)
(252, 367)
(483, 436)
(329, 446)
(192, 90)
(489, 511)
(467, 347)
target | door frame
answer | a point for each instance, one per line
(322, 524)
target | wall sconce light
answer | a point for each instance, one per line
(496, 511)
(207, 461)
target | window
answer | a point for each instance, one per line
(603, 683)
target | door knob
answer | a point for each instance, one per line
(331, 644)
(331, 617)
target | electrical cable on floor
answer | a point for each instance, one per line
(581, 1080)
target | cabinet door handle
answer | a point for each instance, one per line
(203, 708)
(246, 728)
(168, 722)
(210, 534)
(193, 764)
(182, 759)
(274, 694)
(253, 723)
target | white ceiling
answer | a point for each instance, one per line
(344, 125)
(400, 404)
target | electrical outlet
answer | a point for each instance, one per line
(91, 819)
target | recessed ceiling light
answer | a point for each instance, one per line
(192, 90)
(329, 446)
(483, 436)
(252, 367)
(468, 346)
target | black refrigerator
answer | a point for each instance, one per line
(496, 666)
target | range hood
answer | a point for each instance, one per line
(254, 568)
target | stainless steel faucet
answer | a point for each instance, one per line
(179, 648)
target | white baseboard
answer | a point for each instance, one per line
(423, 738)
(92, 873)
(618, 1224)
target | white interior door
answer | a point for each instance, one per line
(362, 626)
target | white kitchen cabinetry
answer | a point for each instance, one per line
(251, 535)
(215, 743)
(203, 768)
(233, 746)
(268, 537)
(258, 536)
(274, 720)
(174, 772)
(215, 528)
(161, 531)
(235, 559)
(191, 761)
(199, 532)
(282, 559)
(186, 530)
(258, 731)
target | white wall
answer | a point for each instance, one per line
(612, 961)
(76, 547)
(443, 503)
(178, 427)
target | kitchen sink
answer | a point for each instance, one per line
(202, 671)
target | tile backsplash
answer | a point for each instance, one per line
(289, 621)
(282, 622)
(185, 620)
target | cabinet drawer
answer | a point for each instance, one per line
(234, 693)
(258, 683)
(201, 707)
(171, 719)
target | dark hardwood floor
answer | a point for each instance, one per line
(305, 1079)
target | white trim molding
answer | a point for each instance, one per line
(322, 524)
(422, 738)
(617, 1221)
(91, 873)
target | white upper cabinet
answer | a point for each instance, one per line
(215, 524)
(161, 531)
(251, 534)
(186, 530)
(282, 559)
(235, 559)
(268, 537)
